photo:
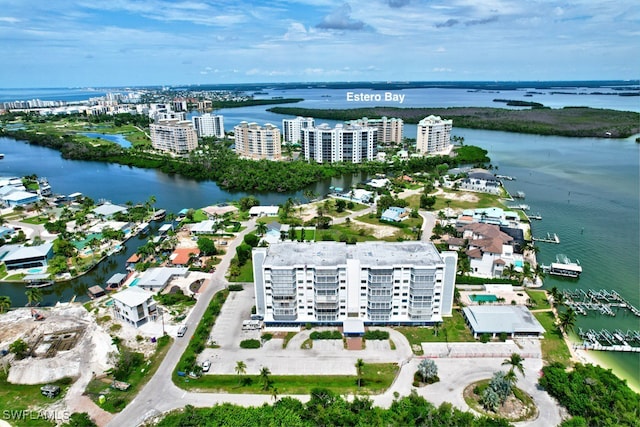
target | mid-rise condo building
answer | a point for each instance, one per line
(258, 142)
(389, 130)
(433, 135)
(176, 136)
(344, 143)
(373, 282)
(209, 125)
(292, 128)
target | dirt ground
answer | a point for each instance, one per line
(90, 351)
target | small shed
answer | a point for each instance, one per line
(96, 292)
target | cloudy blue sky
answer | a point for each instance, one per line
(148, 42)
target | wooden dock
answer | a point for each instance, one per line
(551, 238)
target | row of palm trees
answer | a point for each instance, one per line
(567, 316)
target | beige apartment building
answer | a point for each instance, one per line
(433, 135)
(258, 142)
(176, 136)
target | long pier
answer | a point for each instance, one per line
(605, 340)
(603, 301)
(551, 238)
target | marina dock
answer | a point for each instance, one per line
(551, 238)
(600, 301)
(605, 340)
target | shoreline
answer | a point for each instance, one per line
(593, 357)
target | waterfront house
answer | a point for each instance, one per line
(208, 226)
(219, 210)
(156, 279)
(489, 249)
(19, 198)
(134, 306)
(181, 256)
(20, 256)
(481, 181)
(257, 211)
(116, 281)
(108, 210)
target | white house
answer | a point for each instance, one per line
(263, 211)
(156, 279)
(135, 306)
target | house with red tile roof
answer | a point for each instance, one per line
(490, 250)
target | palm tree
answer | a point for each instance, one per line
(567, 320)
(516, 363)
(5, 303)
(274, 393)
(33, 295)
(241, 368)
(264, 376)
(151, 202)
(359, 367)
(261, 228)
(509, 271)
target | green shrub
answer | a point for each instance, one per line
(252, 343)
(267, 337)
(235, 288)
(326, 335)
(376, 335)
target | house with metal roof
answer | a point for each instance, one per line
(263, 211)
(19, 198)
(20, 256)
(108, 210)
(156, 279)
(513, 320)
(208, 226)
(134, 306)
(395, 214)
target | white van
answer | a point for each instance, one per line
(182, 331)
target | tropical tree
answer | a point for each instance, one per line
(490, 399)
(427, 369)
(567, 320)
(34, 295)
(359, 368)
(5, 303)
(150, 202)
(261, 228)
(509, 271)
(274, 393)
(264, 377)
(19, 348)
(515, 360)
(241, 368)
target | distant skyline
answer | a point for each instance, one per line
(80, 43)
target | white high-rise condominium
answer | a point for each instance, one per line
(176, 136)
(258, 142)
(209, 125)
(374, 282)
(433, 135)
(292, 128)
(389, 130)
(344, 143)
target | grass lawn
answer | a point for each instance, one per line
(310, 234)
(15, 398)
(36, 220)
(116, 400)
(539, 298)
(484, 201)
(452, 329)
(358, 207)
(343, 232)
(376, 378)
(246, 273)
(554, 349)
(414, 201)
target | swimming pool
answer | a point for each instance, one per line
(134, 282)
(36, 270)
(483, 298)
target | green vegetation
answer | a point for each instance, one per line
(252, 343)
(175, 298)
(538, 299)
(15, 398)
(452, 329)
(253, 102)
(554, 348)
(568, 121)
(376, 334)
(477, 394)
(326, 335)
(131, 368)
(593, 395)
(200, 337)
(328, 408)
(376, 378)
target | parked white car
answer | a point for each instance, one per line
(206, 365)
